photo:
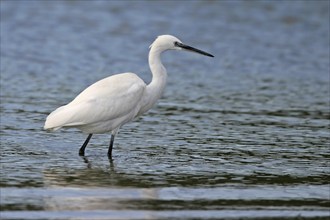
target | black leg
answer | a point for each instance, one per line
(82, 149)
(110, 146)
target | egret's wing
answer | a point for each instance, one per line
(107, 99)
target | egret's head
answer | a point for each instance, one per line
(165, 42)
(169, 42)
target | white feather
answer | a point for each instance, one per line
(113, 99)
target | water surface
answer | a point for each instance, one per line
(244, 135)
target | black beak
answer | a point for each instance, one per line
(189, 48)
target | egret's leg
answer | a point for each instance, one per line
(110, 146)
(82, 149)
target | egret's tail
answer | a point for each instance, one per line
(64, 116)
(51, 129)
(54, 121)
(49, 125)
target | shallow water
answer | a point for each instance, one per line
(243, 136)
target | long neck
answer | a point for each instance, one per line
(159, 76)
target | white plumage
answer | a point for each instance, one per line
(113, 101)
(103, 106)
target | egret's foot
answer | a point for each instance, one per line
(82, 149)
(110, 146)
(81, 153)
(89, 164)
(110, 153)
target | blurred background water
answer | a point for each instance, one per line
(242, 135)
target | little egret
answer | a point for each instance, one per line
(110, 103)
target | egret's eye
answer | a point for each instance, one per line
(178, 44)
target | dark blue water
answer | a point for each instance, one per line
(244, 135)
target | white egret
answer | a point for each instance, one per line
(110, 103)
